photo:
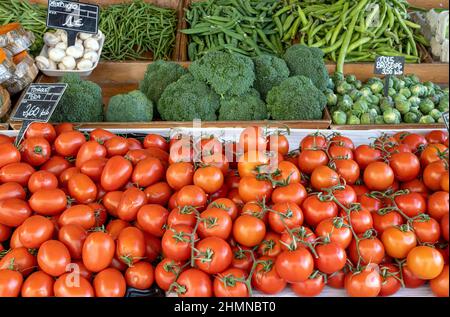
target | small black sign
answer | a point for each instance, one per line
(446, 120)
(152, 292)
(389, 65)
(38, 102)
(73, 16)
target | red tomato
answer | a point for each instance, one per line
(131, 200)
(53, 257)
(191, 195)
(252, 189)
(294, 266)
(63, 127)
(324, 177)
(16, 172)
(229, 284)
(209, 178)
(313, 286)
(9, 154)
(13, 212)
(35, 230)
(361, 220)
(382, 222)
(68, 143)
(390, 277)
(436, 136)
(152, 247)
(215, 222)
(10, 283)
(398, 241)
(365, 154)
(42, 180)
(56, 165)
(427, 230)
(371, 251)
(308, 160)
(337, 230)
(193, 283)
(414, 141)
(182, 216)
(425, 262)
(444, 226)
(411, 204)
(117, 145)
(266, 278)
(35, 151)
(179, 175)
(140, 275)
(432, 153)
(432, 175)
(152, 219)
(147, 172)
(439, 285)
(158, 193)
(366, 283)
(65, 287)
(242, 258)
(98, 251)
(330, 258)
(406, 166)
(156, 140)
(411, 280)
(214, 255)
(278, 143)
(88, 151)
(438, 205)
(252, 138)
(111, 201)
(109, 283)
(38, 284)
(166, 273)
(130, 245)
(285, 215)
(81, 215)
(249, 230)
(336, 280)
(5, 233)
(315, 210)
(82, 188)
(378, 176)
(313, 142)
(176, 243)
(48, 202)
(12, 190)
(94, 168)
(73, 236)
(226, 204)
(20, 259)
(294, 192)
(41, 130)
(348, 170)
(271, 245)
(116, 173)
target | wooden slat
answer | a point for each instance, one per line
(430, 4)
(160, 3)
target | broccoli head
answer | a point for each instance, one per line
(188, 99)
(228, 74)
(81, 102)
(308, 62)
(269, 71)
(131, 107)
(247, 107)
(296, 98)
(158, 76)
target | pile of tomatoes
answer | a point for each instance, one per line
(92, 214)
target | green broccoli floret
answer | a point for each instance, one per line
(308, 62)
(158, 76)
(188, 99)
(296, 98)
(131, 107)
(247, 107)
(228, 74)
(81, 102)
(269, 71)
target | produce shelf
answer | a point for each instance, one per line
(430, 4)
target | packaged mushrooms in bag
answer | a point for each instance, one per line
(24, 74)
(15, 39)
(57, 58)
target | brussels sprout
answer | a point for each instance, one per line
(353, 120)
(426, 119)
(374, 99)
(414, 100)
(411, 117)
(360, 106)
(414, 78)
(441, 120)
(366, 91)
(443, 103)
(399, 84)
(339, 117)
(405, 92)
(426, 106)
(343, 88)
(345, 102)
(403, 106)
(379, 119)
(398, 98)
(375, 108)
(330, 83)
(331, 99)
(392, 92)
(357, 84)
(355, 94)
(417, 90)
(337, 77)
(399, 115)
(386, 103)
(390, 117)
(376, 87)
(436, 97)
(436, 114)
(367, 118)
(350, 79)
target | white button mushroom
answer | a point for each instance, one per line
(75, 51)
(91, 44)
(84, 64)
(53, 65)
(62, 35)
(69, 62)
(61, 45)
(91, 55)
(84, 36)
(56, 54)
(50, 39)
(79, 43)
(98, 36)
(42, 62)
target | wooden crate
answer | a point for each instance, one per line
(430, 4)
(121, 77)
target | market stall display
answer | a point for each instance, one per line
(299, 226)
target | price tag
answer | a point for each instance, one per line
(74, 17)
(152, 292)
(446, 120)
(37, 104)
(389, 66)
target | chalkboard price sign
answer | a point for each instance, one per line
(73, 16)
(37, 104)
(446, 120)
(389, 65)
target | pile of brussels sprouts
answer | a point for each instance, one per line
(409, 101)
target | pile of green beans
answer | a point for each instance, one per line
(132, 29)
(32, 17)
(247, 27)
(343, 29)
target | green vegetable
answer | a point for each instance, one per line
(188, 99)
(390, 117)
(360, 106)
(411, 117)
(443, 103)
(367, 118)
(427, 119)
(344, 88)
(158, 76)
(414, 100)
(379, 119)
(270, 71)
(353, 120)
(435, 114)
(405, 92)
(308, 62)
(228, 74)
(332, 99)
(399, 98)
(426, 106)
(81, 102)
(246, 107)
(417, 90)
(403, 106)
(366, 91)
(350, 79)
(296, 98)
(339, 117)
(386, 104)
(135, 28)
(131, 107)
(345, 102)
(376, 87)
(355, 94)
